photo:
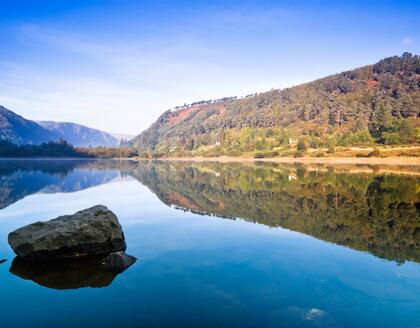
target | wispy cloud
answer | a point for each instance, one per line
(135, 61)
(406, 41)
(257, 17)
(132, 81)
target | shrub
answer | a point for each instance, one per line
(298, 154)
(264, 154)
(313, 144)
(301, 146)
(233, 152)
(158, 155)
(376, 152)
(287, 153)
(331, 144)
(362, 155)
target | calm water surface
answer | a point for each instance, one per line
(221, 245)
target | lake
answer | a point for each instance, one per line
(221, 245)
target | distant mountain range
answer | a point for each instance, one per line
(80, 135)
(19, 130)
(378, 103)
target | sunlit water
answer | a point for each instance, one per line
(310, 246)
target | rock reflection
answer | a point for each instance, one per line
(68, 274)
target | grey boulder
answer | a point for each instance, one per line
(91, 232)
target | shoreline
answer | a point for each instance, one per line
(392, 161)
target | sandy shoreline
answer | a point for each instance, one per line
(393, 161)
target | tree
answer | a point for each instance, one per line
(407, 131)
(331, 142)
(313, 143)
(390, 138)
(382, 119)
(260, 144)
(222, 137)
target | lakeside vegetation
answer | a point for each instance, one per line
(50, 149)
(62, 149)
(295, 151)
(108, 152)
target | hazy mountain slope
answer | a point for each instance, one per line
(122, 136)
(80, 135)
(19, 130)
(378, 102)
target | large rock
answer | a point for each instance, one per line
(90, 232)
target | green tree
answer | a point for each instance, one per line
(407, 131)
(390, 138)
(313, 143)
(331, 142)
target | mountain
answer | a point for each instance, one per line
(20, 131)
(80, 135)
(378, 103)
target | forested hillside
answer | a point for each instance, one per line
(375, 104)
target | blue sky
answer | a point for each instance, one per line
(117, 65)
